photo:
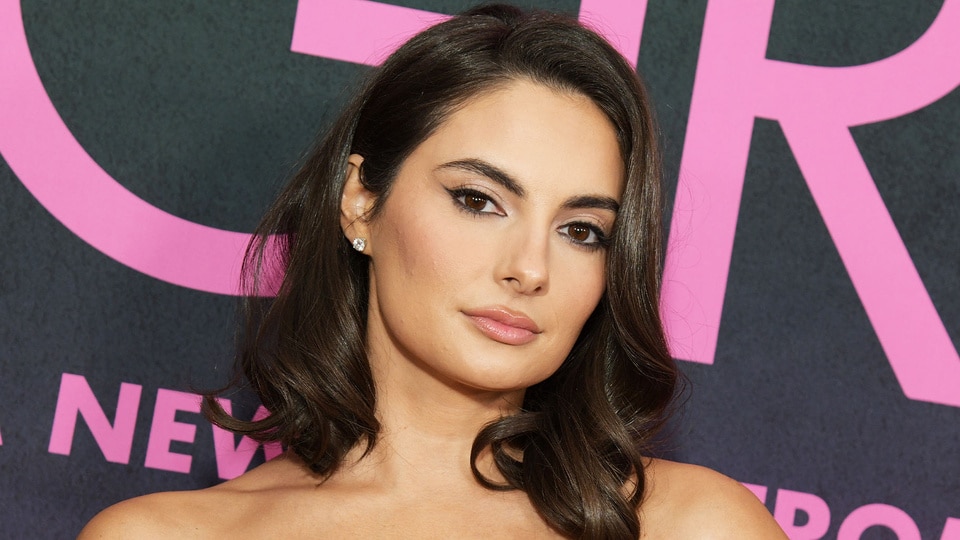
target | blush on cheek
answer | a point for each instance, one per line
(416, 250)
(433, 246)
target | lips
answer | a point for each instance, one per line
(503, 325)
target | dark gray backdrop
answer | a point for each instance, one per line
(201, 109)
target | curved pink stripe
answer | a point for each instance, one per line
(53, 166)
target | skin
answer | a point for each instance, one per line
(451, 239)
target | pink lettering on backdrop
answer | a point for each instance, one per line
(76, 397)
(874, 515)
(165, 429)
(789, 503)
(366, 32)
(735, 83)
(355, 30)
(815, 106)
(232, 461)
(56, 170)
(951, 530)
(759, 491)
(66, 180)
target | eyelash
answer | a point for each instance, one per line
(459, 195)
(602, 242)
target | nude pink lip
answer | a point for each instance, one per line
(503, 325)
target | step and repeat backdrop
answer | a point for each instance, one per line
(812, 290)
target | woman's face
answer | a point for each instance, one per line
(488, 255)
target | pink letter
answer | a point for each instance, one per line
(816, 106)
(882, 515)
(759, 491)
(232, 461)
(951, 530)
(52, 165)
(356, 30)
(789, 502)
(165, 429)
(376, 29)
(115, 441)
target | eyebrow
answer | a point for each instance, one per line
(483, 168)
(488, 170)
(593, 201)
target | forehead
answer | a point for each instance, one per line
(540, 135)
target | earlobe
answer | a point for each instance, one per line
(356, 202)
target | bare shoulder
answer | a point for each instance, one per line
(689, 501)
(216, 512)
(159, 515)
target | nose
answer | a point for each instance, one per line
(525, 262)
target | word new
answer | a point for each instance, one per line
(115, 440)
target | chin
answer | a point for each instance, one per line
(508, 379)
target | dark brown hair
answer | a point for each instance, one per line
(581, 432)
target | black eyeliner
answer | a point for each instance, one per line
(603, 241)
(457, 193)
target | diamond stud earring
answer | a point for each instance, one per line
(359, 244)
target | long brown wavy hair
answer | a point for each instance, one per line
(576, 447)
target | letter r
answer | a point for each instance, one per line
(816, 106)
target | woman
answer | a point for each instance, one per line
(466, 341)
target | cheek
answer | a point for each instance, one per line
(580, 292)
(427, 249)
(421, 261)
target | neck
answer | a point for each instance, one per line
(428, 425)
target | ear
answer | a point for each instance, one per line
(356, 202)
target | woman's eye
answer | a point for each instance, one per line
(474, 201)
(581, 233)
